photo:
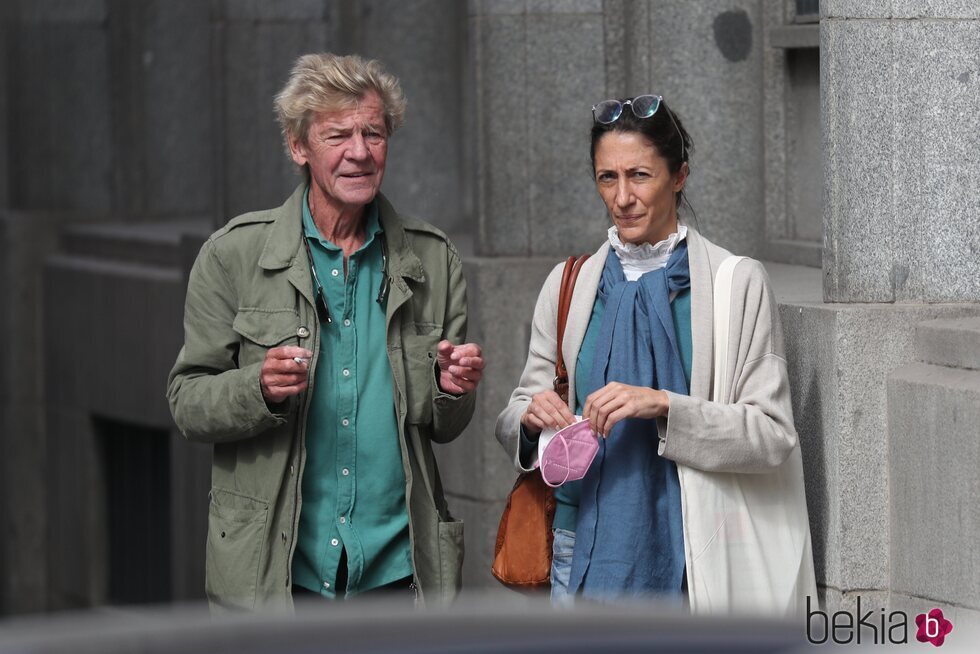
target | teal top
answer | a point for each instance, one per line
(567, 495)
(353, 481)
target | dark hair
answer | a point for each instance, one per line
(658, 129)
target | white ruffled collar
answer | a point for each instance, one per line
(644, 257)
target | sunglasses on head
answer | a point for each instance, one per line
(643, 106)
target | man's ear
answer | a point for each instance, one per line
(297, 150)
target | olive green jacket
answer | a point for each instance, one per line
(250, 289)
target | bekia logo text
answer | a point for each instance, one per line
(860, 627)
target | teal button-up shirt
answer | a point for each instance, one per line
(353, 481)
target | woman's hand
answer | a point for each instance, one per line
(614, 402)
(547, 409)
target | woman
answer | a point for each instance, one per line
(638, 346)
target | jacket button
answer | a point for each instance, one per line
(283, 538)
(303, 332)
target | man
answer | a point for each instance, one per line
(322, 358)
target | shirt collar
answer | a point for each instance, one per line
(644, 257)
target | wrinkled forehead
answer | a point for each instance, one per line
(348, 111)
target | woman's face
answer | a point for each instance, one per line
(637, 187)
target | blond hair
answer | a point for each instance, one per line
(328, 82)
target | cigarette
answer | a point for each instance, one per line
(301, 360)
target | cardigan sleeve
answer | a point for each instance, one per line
(539, 370)
(753, 431)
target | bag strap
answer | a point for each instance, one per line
(722, 323)
(573, 265)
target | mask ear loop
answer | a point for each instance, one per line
(568, 459)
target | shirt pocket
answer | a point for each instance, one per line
(262, 329)
(420, 371)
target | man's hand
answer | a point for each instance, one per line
(546, 409)
(284, 373)
(615, 401)
(460, 367)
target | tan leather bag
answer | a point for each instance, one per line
(522, 555)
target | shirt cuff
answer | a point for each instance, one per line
(663, 423)
(276, 414)
(439, 392)
(528, 449)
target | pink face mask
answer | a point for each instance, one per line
(567, 455)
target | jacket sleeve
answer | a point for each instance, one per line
(539, 370)
(451, 413)
(211, 398)
(753, 431)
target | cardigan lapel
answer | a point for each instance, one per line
(702, 314)
(583, 299)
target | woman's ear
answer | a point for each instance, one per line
(680, 177)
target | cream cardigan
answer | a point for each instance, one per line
(752, 433)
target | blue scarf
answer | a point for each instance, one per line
(629, 537)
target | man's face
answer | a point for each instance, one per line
(346, 152)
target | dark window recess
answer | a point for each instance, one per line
(137, 481)
(807, 10)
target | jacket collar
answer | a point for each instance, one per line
(283, 243)
(402, 261)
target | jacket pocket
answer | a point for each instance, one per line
(420, 372)
(451, 551)
(262, 329)
(236, 534)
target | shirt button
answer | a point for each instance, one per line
(343, 520)
(326, 584)
(303, 332)
(335, 542)
(335, 272)
(347, 323)
(345, 422)
(346, 372)
(345, 472)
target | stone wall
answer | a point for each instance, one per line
(899, 92)
(898, 95)
(934, 508)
